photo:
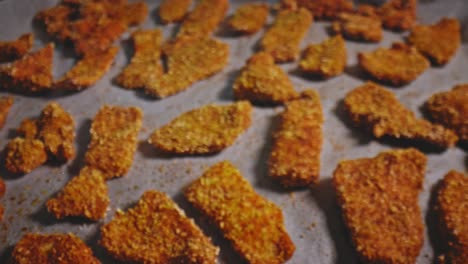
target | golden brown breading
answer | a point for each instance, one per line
(13, 50)
(295, 154)
(283, 38)
(31, 73)
(398, 15)
(321, 9)
(367, 10)
(52, 248)
(262, 81)
(86, 195)
(438, 42)
(249, 18)
(28, 129)
(114, 135)
(205, 130)
(377, 109)
(135, 14)
(399, 65)
(254, 225)
(452, 208)
(173, 10)
(156, 230)
(359, 27)
(6, 102)
(24, 155)
(204, 18)
(326, 59)
(56, 20)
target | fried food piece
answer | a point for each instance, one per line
(262, 81)
(399, 65)
(283, 38)
(438, 42)
(450, 109)
(398, 15)
(13, 50)
(205, 130)
(145, 67)
(56, 20)
(379, 202)
(171, 11)
(249, 18)
(24, 155)
(377, 109)
(31, 73)
(204, 18)
(135, 13)
(367, 10)
(86, 195)
(452, 208)
(52, 248)
(254, 225)
(6, 102)
(156, 230)
(326, 59)
(321, 9)
(114, 135)
(28, 129)
(359, 27)
(295, 154)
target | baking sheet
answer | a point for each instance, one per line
(311, 215)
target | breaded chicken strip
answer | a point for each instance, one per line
(203, 20)
(249, 18)
(173, 10)
(13, 50)
(359, 27)
(6, 102)
(321, 9)
(24, 155)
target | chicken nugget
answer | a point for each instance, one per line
(377, 109)
(86, 196)
(6, 102)
(452, 209)
(13, 50)
(204, 18)
(399, 65)
(31, 73)
(114, 135)
(295, 154)
(438, 42)
(249, 18)
(321, 9)
(398, 15)
(52, 248)
(171, 11)
(135, 13)
(254, 225)
(368, 10)
(56, 20)
(326, 59)
(283, 38)
(156, 230)
(262, 81)
(24, 155)
(379, 202)
(359, 27)
(28, 129)
(204, 130)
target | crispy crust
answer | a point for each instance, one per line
(205, 130)
(56, 20)
(262, 81)
(28, 129)
(135, 13)
(359, 27)
(398, 15)
(173, 10)
(254, 225)
(283, 38)
(375, 108)
(24, 155)
(321, 9)
(249, 18)
(13, 50)
(53, 248)
(379, 201)
(399, 65)
(156, 230)
(204, 18)
(6, 102)
(295, 154)
(326, 59)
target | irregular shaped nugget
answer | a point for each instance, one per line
(398, 15)
(295, 154)
(13, 50)
(262, 81)
(283, 38)
(52, 248)
(135, 13)
(173, 10)
(205, 130)
(326, 59)
(438, 42)
(204, 18)
(378, 110)
(249, 18)
(321, 9)
(452, 208)
(24, 155)
(254, 225)
(156, 230)
(31, 73)
(29, 128)
(399, 65)
(359, 27)
(379, 202)
(114, 135)
(6, 102)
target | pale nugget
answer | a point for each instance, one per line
(13, 50)
(173, 10)
(204, 18)
(24, 155)
(249, 18)
(359, 27)
(6, 102)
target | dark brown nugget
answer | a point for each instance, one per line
(249, 18)
(13, 50)
(24, 155)
(173, 10)
(6, 102)
(204, 18)
(379, 201)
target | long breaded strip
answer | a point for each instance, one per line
(13, 50)
(24, 155)
(204, 18)
(205, 130)
(321, 9)
(6, 102)
(398, 15)
(52, 248)
(262, 81)
(114, 135)
(379, 202)
(156, 230)
(283, 38)
(173, 10)
(359, 27)
(452, 208)
(254, 225)
(375, 108)
(249, 18)
(295, 154)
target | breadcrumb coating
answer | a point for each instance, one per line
(56, 20)
(6, 102)
(203, 20)
(254, 225)
(28, 129)
(135, 13)
(24, 155)
(249, 18)
(358, 27)
(204, 130)
(171, 11)
(13, 50)
(321, 9)
(398, 15)
(379, 202)
(157, 231)
(261, 81)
